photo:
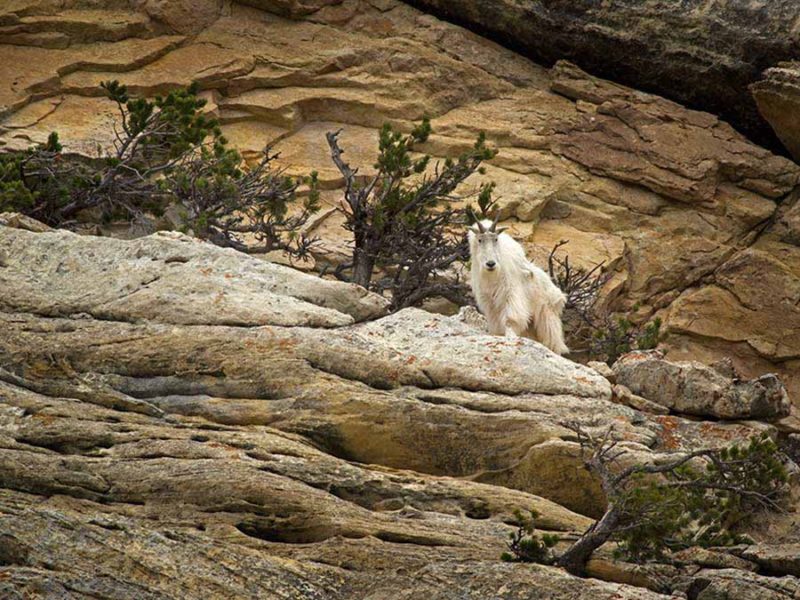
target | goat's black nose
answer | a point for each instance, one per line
(491, 264)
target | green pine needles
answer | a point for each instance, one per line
(26, 179)
(590, 327)
(526, 544)
(701, 498)
(614, 337)
(166, 153)
(406, 224)
(701, 505)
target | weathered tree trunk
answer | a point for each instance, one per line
(703, 53)
(363, 263)
(575, 558)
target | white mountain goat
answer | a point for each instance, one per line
(516, 297)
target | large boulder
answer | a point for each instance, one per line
(775, 559)
(182, 16)
(735, 584)
(167, 277)
(778, 97)
(695, 389)
(415, 347)
(291, 8)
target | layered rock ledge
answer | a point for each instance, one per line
(698, 225)
(178, 420)
(144, 454)
(701, 53)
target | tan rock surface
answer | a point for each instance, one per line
(777, 95)
(168, 278)
(248, 437)
(700, 52)
(163, 458)
(673, 200)
(696, 389)
(201, 459)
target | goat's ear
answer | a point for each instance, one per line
(474, 228)
(501, 230)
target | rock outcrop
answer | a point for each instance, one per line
(695, 389)
(778, 97)
(150, 455)
(168, 278)
(178, 420)
(698, 225)
(702, 53)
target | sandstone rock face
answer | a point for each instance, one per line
(159, 457)
(223, 512)
(709, 584)
(19, 221)
(182, 16)
(291, 8)
(696, 222)
(674, 159)
(450, 354)
(625, 396)
(695, 389)
(702, 53)
(184, 421)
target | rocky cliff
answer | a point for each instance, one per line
(703, 53)
(162, 435)
(184, 421)
(699, 224)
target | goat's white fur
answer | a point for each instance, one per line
(517, 297)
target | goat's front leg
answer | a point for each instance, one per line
(511, 328)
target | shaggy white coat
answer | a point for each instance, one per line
(517, 297)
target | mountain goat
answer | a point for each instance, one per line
(516, 297)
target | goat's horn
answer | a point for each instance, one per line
(481, 228)
(493, 228)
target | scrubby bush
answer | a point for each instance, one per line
(166, 152)
(526, 544)
(614, 336)
(245, 208)
(700, 498)
(604, 335)
(696, 507)
(36, 181)
(403, 219)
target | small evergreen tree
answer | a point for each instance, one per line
(402, 218)
(614, 336)
(695, 499)
(244, 208)
(526, 545)
(28, 181)
(166, 151)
